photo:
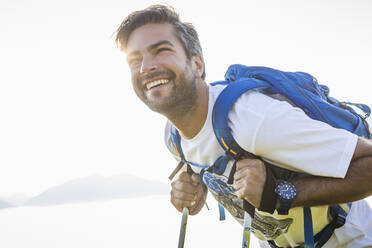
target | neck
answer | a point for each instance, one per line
(189, 122)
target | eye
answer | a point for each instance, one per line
(162, 49)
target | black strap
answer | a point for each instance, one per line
(249, 208)
(339, 219)
(268, 197)
(230, 180)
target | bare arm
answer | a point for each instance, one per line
(356, 185)
(250, 177)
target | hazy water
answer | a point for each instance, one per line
(136, 222)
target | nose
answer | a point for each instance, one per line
(148, 65)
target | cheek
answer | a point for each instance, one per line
(134, 78)
(170, 62)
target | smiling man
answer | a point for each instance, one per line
(167, 70)
(166, 77)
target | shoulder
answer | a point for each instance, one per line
(249, 113)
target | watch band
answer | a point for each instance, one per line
(284, 206)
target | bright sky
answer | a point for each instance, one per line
(67, 108)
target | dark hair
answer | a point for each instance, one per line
(185, 32)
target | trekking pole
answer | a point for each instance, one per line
(246, 230)
(181, 240)
(247, 226)
(185, 215)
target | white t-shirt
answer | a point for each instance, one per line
(284, 136)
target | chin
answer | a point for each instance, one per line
(161, 109)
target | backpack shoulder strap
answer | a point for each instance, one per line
(175, 138)
(176, 141)
(221, 109)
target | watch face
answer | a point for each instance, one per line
(286, 190)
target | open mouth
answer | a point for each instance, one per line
(156, 83)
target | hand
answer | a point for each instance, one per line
(187, 192)
(249, 180)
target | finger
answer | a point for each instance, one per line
(181, 199)
(239, 194)
(243, 163)
(195, 179)
(237, 185)
(176, 204)
(242, 173)
(184, 176)
(186, 187)
(189, 199)
(179, 204)
(242, 183)
(248, 162)
(252, 170)
(183, 195)
(242, 193)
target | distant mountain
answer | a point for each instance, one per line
(4, 204)
(98, 188)
(16, 199)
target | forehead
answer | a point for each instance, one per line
(149, 34)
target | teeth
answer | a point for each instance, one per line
(156, 83)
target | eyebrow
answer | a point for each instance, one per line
(159, 43)
(152, 47)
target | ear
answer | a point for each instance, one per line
(197, 65)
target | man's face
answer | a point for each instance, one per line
(162, 75)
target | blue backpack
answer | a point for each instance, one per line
(303, 91)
